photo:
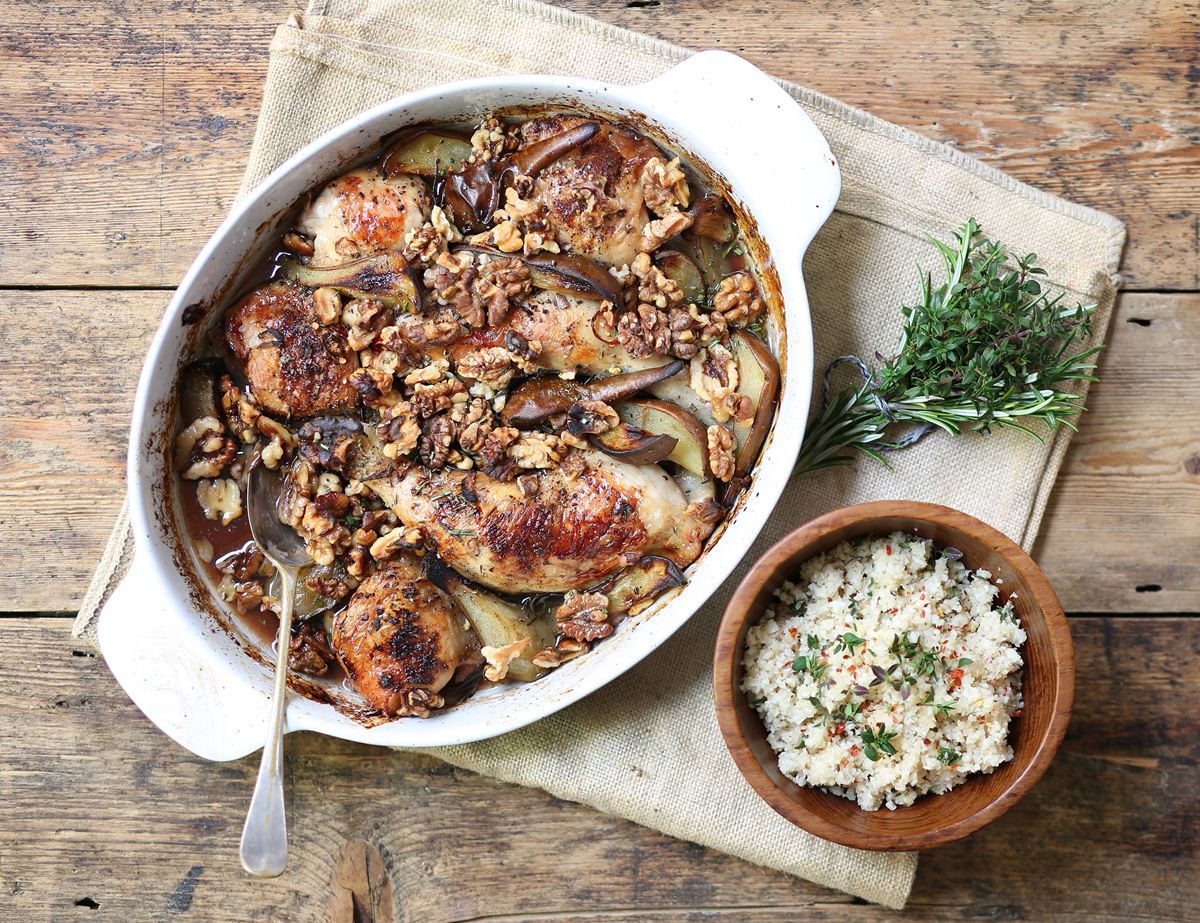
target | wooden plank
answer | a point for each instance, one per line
(120, 153)
(1123, 526)
(1125, 510)
(100, 807)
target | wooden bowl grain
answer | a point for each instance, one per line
(933, 820)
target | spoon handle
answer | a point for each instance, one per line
(264, 838)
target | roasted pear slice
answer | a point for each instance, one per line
(425, 153)
(663, 418)
(633, 445)
(633, 589)
(758, 379)
(684, 272)
(384, 278)
(538, 398)
(499, 623)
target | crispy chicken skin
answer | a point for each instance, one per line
(294, 366)
(593, 196)
(570, 533)
(561, 325)
(401, 641)
(361, 214)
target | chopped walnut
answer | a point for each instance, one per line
(308, 649)
(493, 365)
(564, 650)
(437, 434)
(474, 422)
(347, 247)
(400, 428)
(714, 378)
(398, 540)
(721, 452)
(440, 222)
(329, 442)
(497, 443)
(501, 281)
(244, 564)
(645, 331)
(490, 141)
(434, 397)
(654, 286)
(583, 616)
(660, 230)
(519, 209)
(736, 300)
(364, 317)
(328, 305)
(413, 703)
(507, 237)
(221, 499)
(371, 385)
(298, 243)
(423, 245)
(664, 186)
(450, 279)
(203, 450)
(329, 586)
(499, 658)
(590, 417)
(537, 450)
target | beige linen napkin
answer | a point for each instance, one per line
(646, 747)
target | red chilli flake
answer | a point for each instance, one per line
(889, 549)
(955, 678)
(854, 750)
(927, 741)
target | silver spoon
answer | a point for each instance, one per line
(264, 838)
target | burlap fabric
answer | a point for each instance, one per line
(647, 747)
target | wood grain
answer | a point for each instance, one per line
(99, 806)
(1126, 505)
(128, 124)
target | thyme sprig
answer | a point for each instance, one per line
(989, 348)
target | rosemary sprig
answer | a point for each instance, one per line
(986, 349)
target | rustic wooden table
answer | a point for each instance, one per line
(125, 127)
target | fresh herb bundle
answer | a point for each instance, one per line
(988, 348)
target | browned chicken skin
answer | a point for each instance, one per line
(571, 533)
(363, 213)
(401, 641)
(593, 195)
(294, 366)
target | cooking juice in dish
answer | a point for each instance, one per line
(513, 378)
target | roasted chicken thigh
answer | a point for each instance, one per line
(401, 641)
(295, 367)
(566, 533)
(363, 213)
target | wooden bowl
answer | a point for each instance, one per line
(933, 820)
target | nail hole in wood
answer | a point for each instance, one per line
(1148, 588)
(88, 903)
(1140, 321)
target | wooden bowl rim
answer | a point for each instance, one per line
(728, 652)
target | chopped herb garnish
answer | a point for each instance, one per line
(461, 532)
(848, 642)
(948, 755)
(875, 742)
(963, 661)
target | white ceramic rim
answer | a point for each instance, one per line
(193, 680)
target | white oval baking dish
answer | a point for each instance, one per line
(194, 677)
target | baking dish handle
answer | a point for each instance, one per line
(756, 135)
(172, 672)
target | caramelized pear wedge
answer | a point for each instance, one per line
(568, 273)
(573, 275)
(425, 153)
(198, 390)
(384, 278)
(633, 445)
(538, 398)
(473, 194)
(662, 418)
(758, 379)
(680, 269)
(712, 219)
(499, 623)
(636, 587)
